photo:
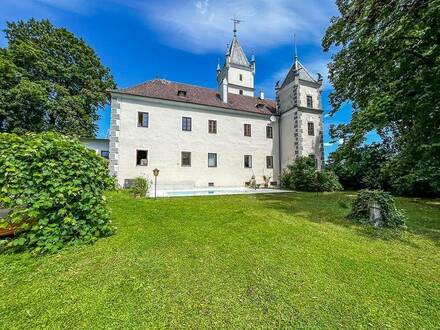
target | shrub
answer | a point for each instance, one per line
(327, 181)
(390, 215)
(141, 187)
(54, 187)
(302, 175)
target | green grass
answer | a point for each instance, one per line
(252, 261)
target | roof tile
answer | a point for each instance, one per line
(167, 90)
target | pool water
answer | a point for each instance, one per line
(207, 192)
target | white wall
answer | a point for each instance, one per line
(247, 82)
(97, 145)
(287, 139)
(165, 140)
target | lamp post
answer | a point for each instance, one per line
(156, 174)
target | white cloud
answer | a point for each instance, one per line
(204, 25)
(78, 6)
(328, 144)
(341, 141)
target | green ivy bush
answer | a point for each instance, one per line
(391, 216)
(54, 187)
(303, 176)
(141, 187)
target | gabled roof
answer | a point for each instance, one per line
(236, 53)
(298, 68)
(168, 90)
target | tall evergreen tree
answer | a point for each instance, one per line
(50, 80)
(388, 65)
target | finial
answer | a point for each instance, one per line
(296, 52)
(218, 64)
(227, 48)
(236, 22)
(296, 49)
(253, 56)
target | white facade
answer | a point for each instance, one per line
(296, 123)
(165, 140)
(100, 146)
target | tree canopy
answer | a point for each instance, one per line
(388, 65)
(50, 80)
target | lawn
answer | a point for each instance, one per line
(250, 261)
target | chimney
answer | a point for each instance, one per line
(224, 90)
(261, 94)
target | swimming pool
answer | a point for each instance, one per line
(214, 191)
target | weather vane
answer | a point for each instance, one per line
(236, 22)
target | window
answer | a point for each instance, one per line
(241, 77)
(142, 119)
(212, 126)
(186, 158)
(269, 132)
(311, 128)
(141, 157)
(247, 129)
(186, 124)
(247, 161)
(181, 93)
(240, 92)
(105, 153)
(212, 160)
(210, 184)
(309, 101)
(269, 161)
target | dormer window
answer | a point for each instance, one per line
(240, 92)
(181, 93)
(260, 106)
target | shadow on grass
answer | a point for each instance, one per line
(423, 216)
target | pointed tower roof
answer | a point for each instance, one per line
(236, 53)
(298, 69)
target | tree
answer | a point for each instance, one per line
(361, 167)
(388, 65)
(50, 80)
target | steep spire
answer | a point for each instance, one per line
(236, 53)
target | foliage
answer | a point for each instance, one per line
(303, 176)
(266, 179)
(50, 80)
(289, 260)
(391, 216)
(387, 66)
(327, 181)
(361, 167)
(53, 186)
(141, 187)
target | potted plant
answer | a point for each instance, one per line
(266, 179)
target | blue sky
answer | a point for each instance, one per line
(182, 40)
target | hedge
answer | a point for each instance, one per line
(54, 187)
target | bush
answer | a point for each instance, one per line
(141, 187)
(54, 187)
(390, 215)
(327, 181)
(302, 175)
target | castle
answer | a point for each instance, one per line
(201, 137)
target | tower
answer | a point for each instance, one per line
(300, 109)
(237, 72)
